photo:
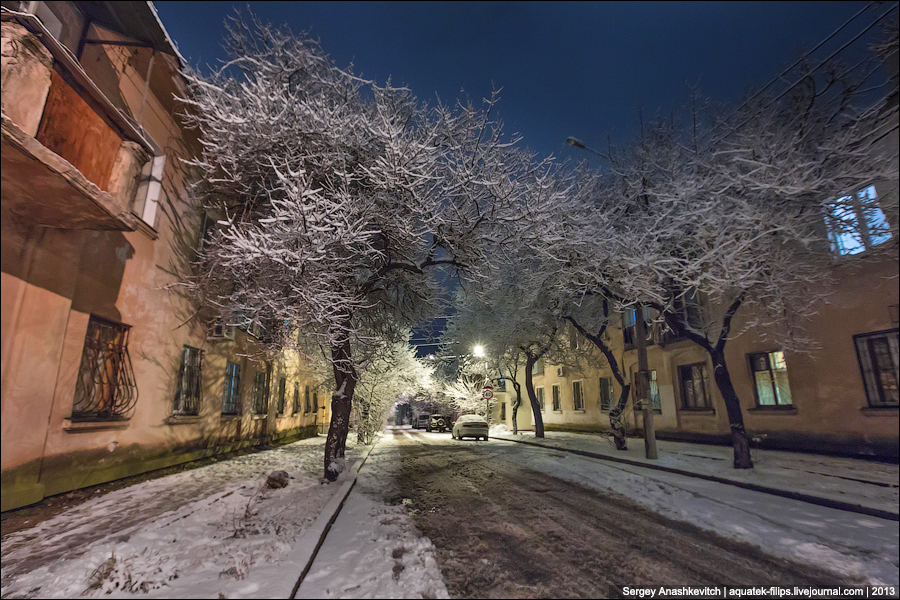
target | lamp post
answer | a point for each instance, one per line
(642, 387)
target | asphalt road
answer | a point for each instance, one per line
(505, 531)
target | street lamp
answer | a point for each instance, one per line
(643, 377)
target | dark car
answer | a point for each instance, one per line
(438, 423)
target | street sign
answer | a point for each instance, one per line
(487, 393)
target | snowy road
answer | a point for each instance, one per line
(503, 527)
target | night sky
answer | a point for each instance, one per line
(565, 69)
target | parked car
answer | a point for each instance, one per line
(470, 426)
(438, 423)
(421, 422)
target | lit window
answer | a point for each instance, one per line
(694, 387)
(771, 378)
(856, 223)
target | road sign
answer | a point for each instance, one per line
(487, 393)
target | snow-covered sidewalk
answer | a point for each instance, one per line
(868, 484)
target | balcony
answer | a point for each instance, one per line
(69, 158)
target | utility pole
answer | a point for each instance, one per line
(642, 393)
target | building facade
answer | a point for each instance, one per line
(106, 371)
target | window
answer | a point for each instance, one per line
(555, 393)
(296, 407)
(503, 411)
(605, 393)
(315, 402)
(578, 394)
(856, 223)
(105, 389)
(501, 385)
(694, 387)
(282, 383)
(877, 353)
(655, 402)
(260, 406)
(308, 407)
(187, 396)
(539, 392)
(538, 368)
(771, 379)
(231, 396)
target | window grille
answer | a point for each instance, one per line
(539, 392)
(308, 407)
(105, 390)
(260, 406)
(296, 407)
(578, 395)
(605, 393)
(694, 386)
(187, 396)
(877, 353)
(231, 396)
(282, 382)
(555, 393)
(771, 379)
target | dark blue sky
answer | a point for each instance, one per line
(579, 69)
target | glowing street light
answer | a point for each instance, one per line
(478, 351)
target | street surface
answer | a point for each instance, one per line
(504, 530)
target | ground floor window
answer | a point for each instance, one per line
(231, 395)
(578, 395)
(556, 402)
(282, 384)
(877, 353)
(503, 411)
(771, 379)
(296, 407)
(187, 396)
(539, 392)
(694, 387)
(105, 389)
(605, 393)
(260, 406)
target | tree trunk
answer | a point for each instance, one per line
(345, 379)
(739, 438)
(515, 407)
(529, 387)
(615, 419)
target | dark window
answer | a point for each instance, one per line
(605, 393)
(259, 394)
(296, 407)
(105, 390)
(187, 397)
(539, 392)
(771, 378)
(315, 402)
(877, 353)
(282, 383)
(501, 385)
(554, 391)
(231, 395)
(578, 395)
(503, 411)
(308, 407)
(694, 386)
(655, 401)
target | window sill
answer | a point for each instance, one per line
(230, 416)
(880, 411)
(773, 410)
(182, 419)
(580, 410)
(85, 426)
(259, 417)
(145, 228)
(699, 411)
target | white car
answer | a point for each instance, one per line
(470, 426)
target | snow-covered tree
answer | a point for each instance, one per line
(726, 214)
(338, 199)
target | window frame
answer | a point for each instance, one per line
(772, 380)
(260, 397)
(556, 397)
(282, 390)
(541, 397)
(232, 375)
(578, 398)
(295, 407)
(609, 390)
(105, 387)
(862, 229)
(183, 406)
(704, 380)
(869, 377)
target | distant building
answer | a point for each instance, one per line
(106, 372)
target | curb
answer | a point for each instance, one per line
(322, 525)
(826, 502)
